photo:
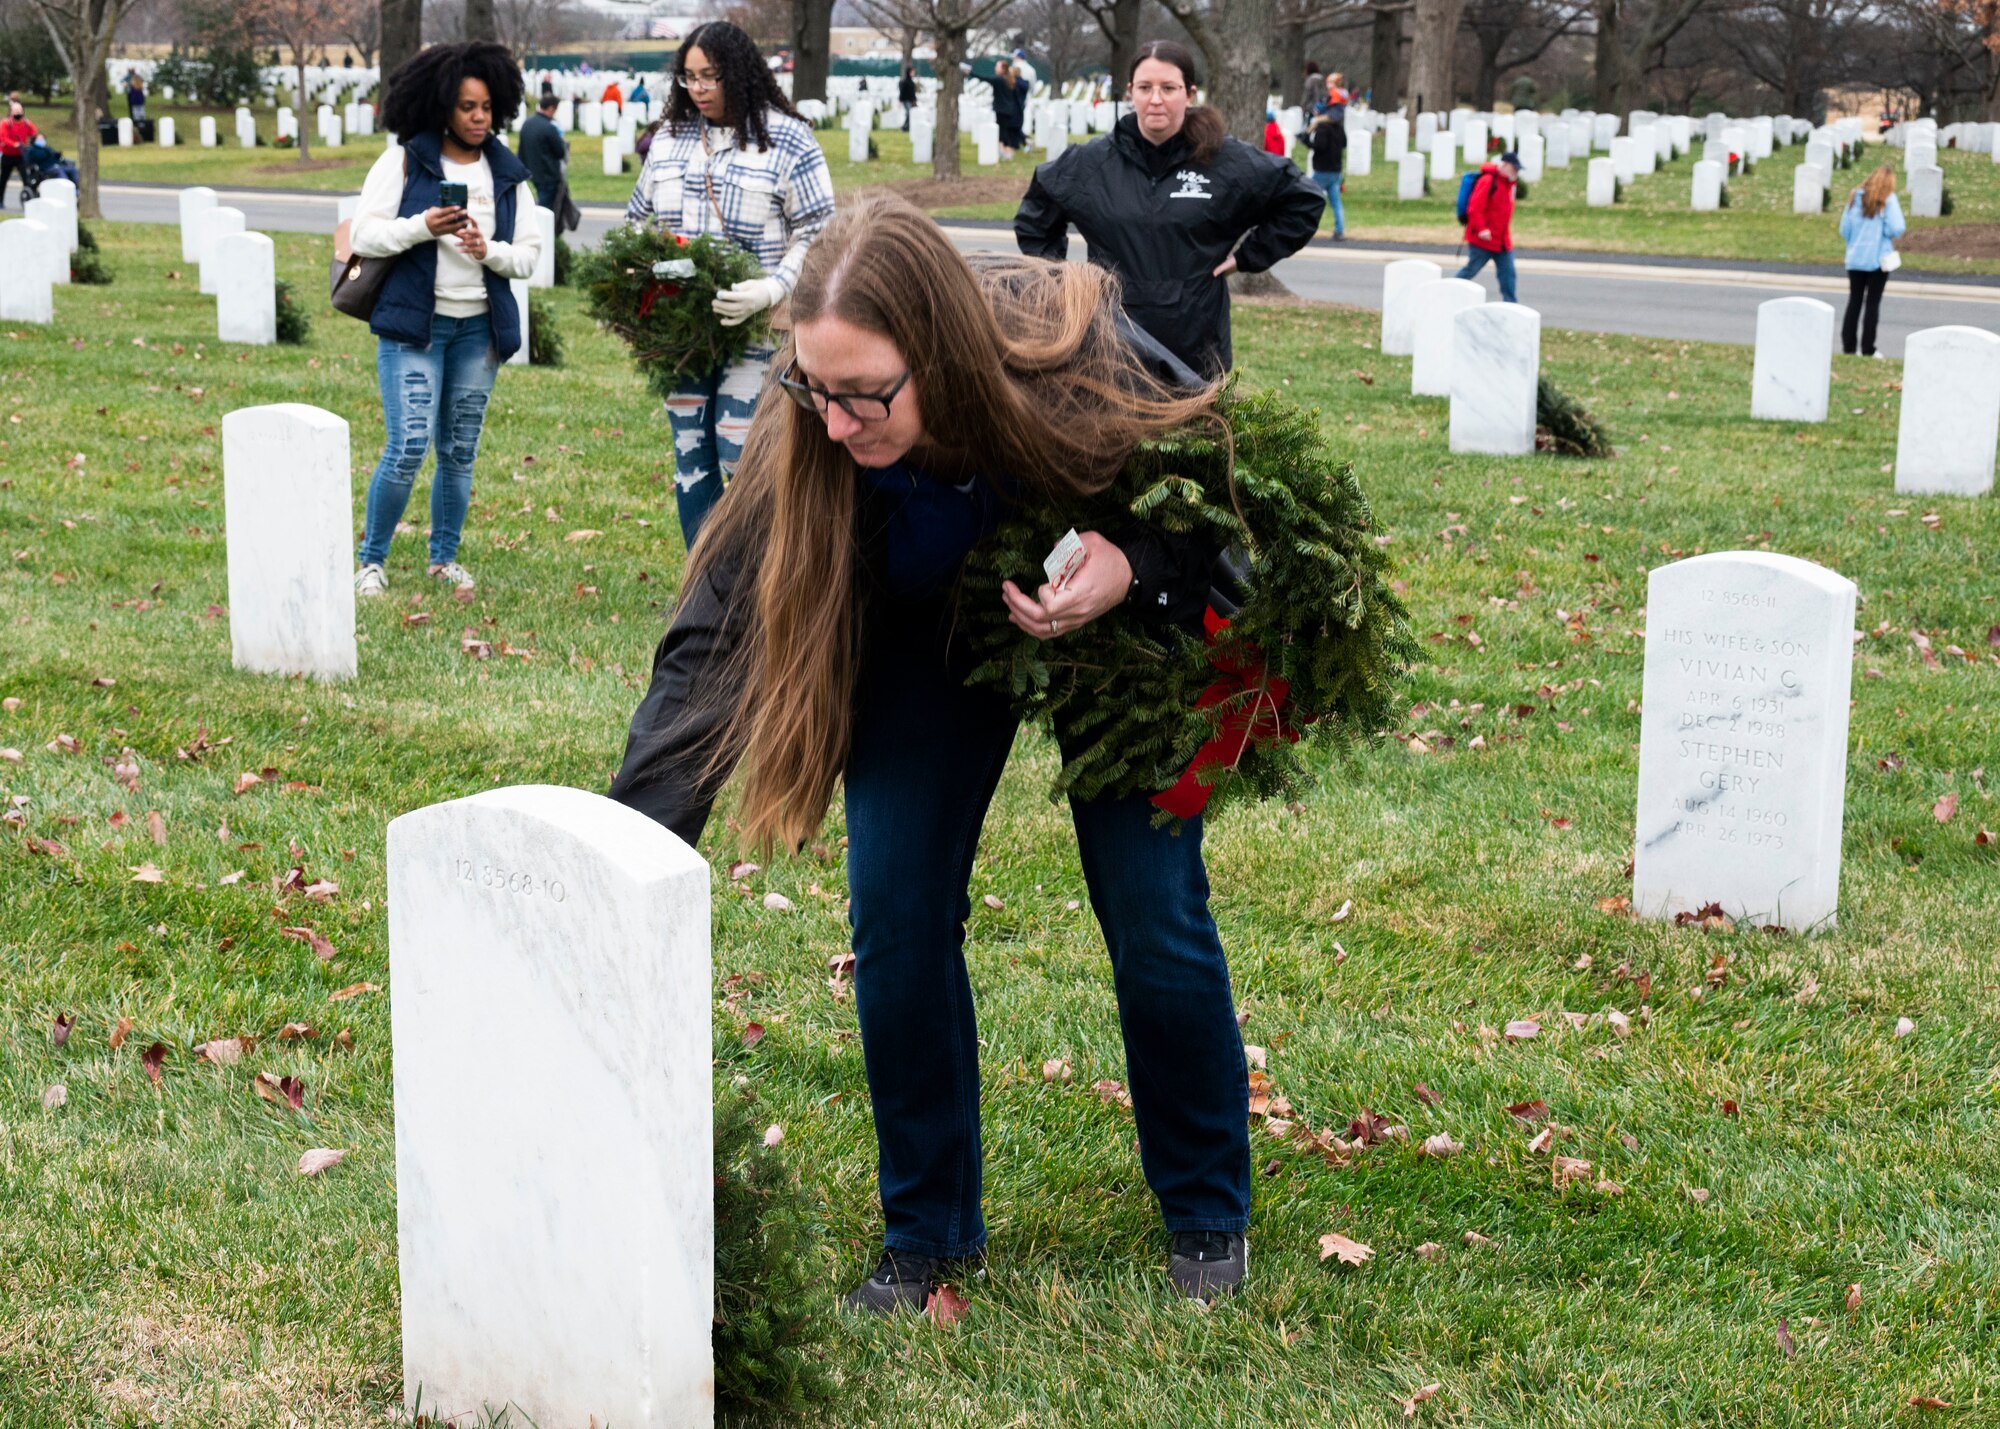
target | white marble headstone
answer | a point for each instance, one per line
(544, 220)
(1410, 176)
(125, 133)
(1926, 191)
(194, 203)
(1809, 189)
(1399, 280)
(1360, 160)
(1395, 139)
(290, 523)
(923, 138)
(59, 212)
(1793, 368)
(47, 213)
(1433, 307)
(164, 132)
(1558, 151)
(1950, 412)
(1444, 161)
(215, 224)
(26, 294)
(611, 156)
(549, 960)
(207, 129)
(1705, 195)
(1601, 184)
(1496, 366)
(1743, 739)
(246, 291)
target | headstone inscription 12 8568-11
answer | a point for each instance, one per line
(549, 951)
(1743, 739)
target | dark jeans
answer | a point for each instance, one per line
(10, 165)
(1502, 260)
(1864, 305)
(926, 755)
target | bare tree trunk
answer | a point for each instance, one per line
(1486, 90)
(482, 22)
(812, 42)
(1234, 38)
(93, 93)
(950, 45)
(402, 32)
(305, 104)
(1611, 82)
(1432, 54)
(1385, 55)
(1288, 48)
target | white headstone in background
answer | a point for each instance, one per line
(612, 156)
(590, 118)
(246, 129)
(1529, 147)
(164, 131)
(1433, 306)
(519, 287)
(544, 220)
(1395, 139)
(1399, 280)
(1951, 412)
(1625, 159)
(1809, 189)
(1601, 184)
(246, 291)
(331, 135)
(922, 139)
(290, 522)
(555, 1159)
(1743, 739)
(1556, 156)
(125, 133)
(857, 143)
(1444, 160)
(1472, 142)
(1706, 186)
(194, 203)
(1926, 191)
(59, 212)
(207, 128)
(1360, 160)
(213, 224)
(1410, 176)
(1793, 369)
(1496, 364)
(26, 294)
(46, 213)
(986, 138)
(288, 123)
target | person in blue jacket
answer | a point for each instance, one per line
(1871, 223)
(445, 317)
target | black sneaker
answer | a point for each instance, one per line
(901, 1279)
(1205, 1264)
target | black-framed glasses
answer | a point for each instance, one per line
(692, 82)
(862, 406)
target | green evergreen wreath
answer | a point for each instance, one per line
(1318, 646)
(667, 320)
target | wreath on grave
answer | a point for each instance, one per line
(1307, 641)
(656, 290)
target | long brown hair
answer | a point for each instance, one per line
(1019, 371)
(1203, 128)
(1876, 191)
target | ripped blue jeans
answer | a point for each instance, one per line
(710, 413)
(433, 395)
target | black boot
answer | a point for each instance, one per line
(1205, 1264)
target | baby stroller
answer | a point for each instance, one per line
(39, 164)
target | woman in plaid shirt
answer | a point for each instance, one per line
(734, 158)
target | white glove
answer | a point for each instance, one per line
(742, 301)
(964, 68)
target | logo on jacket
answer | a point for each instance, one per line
(1193, 185)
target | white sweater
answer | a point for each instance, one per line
(461, 289)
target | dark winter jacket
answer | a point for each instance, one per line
(408, 299)
(1327, 138)
(544, 151)
(1163, 225)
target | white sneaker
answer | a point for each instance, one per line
(455, 574)
(1879, 356)
(371, 580)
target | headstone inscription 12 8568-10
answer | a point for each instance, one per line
(549, 951)
(1743, 739)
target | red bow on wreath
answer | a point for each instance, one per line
(1262, 716)
(654, 292)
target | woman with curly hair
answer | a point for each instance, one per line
(732, 157)
(445, 318)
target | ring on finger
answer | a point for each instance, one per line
(1055, 627)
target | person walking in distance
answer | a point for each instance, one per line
(1173, 205)
(17, 131)
(446, 205)
(1489, 222)
(906, 93)
(545, 152)
(1010, 103)
(731, 158)
(1871, 223)
(1326, 139)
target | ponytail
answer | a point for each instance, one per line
(1204, 131)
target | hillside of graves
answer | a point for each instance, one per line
(1576, 1166)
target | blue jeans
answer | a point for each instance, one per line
(1503, 269)
(710, 413)
(1330, 185)
(925, 756)
(430, 395)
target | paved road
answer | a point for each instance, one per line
(1708, 304)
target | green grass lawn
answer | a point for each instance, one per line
(1653, 217)
(162, 1262)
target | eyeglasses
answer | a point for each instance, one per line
(704, 82)
(862, 406)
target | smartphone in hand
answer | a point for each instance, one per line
(452, 195)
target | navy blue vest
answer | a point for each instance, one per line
(408, 299)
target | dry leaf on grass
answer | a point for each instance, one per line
(1944, 808)
(1334, 1245)
(318, 1159)
(282, 1091)
(156, 826)
(1441, 1145)
(774, 1134)
(1430, 1250)
(54, 1095)
(1474, 1238)
(1904, 1027)
(146, 873)
(946, 1306)
(753, 1034)
(1530, 1112)
(246, 780)
(1522, 1029)
(120, 1033)
(1417, 1398)
(59, 1029)
(316, 941)
(1785, 1341)
(295, 1031)
(353, 989)
(225, 1051)
(777, 903)
(1928, 1401)
(153, 1059)
(994, 903)
(1427, 1096)
(1564, 1170)
(1854, 1297)
(1056, 1069)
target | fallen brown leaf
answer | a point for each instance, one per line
(1945, 807)
(59, 1030)
(1430, 1250)
(1854, 1297)
(318, 1159)
(1530, 1112)
(946, 1306)
(281, 1091)
(146, 873)
(156, 826)
(1427, 1096)
(753, 1034)
(315, 940)
(1334, 1245)
(120, 1033)
(295, 1032)
(1564, 1170)
(152, 1059)
(1418, 1397)
(1441, 1145)
(1056, 1069)
(54, 1095)
(225, 1051)
(247, 780)
(1785, 1341)
(1474, 1238)
(1522, 1029)
(352, 990)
